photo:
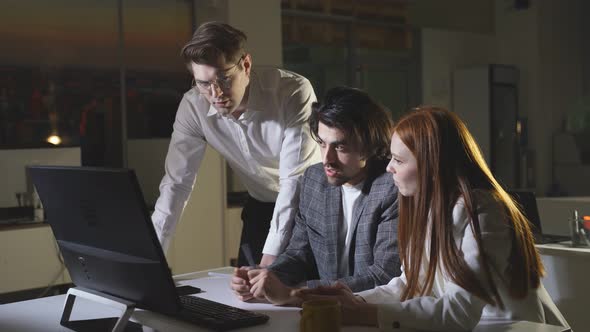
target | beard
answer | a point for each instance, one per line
(337, 181)
(339, 178)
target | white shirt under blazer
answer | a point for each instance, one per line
(452, 308)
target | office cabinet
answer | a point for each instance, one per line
(486, 98)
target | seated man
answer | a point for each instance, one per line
(346, 226)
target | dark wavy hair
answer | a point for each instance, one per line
(214, 42)
(365, 121)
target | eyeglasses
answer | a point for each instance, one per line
(223, 82)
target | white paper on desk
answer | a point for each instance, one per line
(218, 289)
(219, 275)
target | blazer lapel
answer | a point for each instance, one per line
(357, 211)
(333, 214)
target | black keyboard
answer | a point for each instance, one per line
(217, 316)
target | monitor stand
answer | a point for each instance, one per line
(103, 324)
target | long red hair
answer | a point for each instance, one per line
(451, 166)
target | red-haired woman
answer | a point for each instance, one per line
(467, 250)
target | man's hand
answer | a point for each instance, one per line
(267, 260)
(240, 283)
(266, 285)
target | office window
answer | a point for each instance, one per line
(317, 50)
(156, 78)
(58, 55)
(61, 77)
(363, 44)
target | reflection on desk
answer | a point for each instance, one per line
(44, 314)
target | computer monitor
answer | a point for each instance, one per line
(528, 206)
(105, 234)
(100, 221)
(14, 162)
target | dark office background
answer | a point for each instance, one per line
(97, 73)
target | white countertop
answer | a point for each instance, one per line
(562, 248)
(44, 314)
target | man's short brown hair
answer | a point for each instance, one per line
(214, 43)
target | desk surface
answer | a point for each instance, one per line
(44, 314)
(562, 249)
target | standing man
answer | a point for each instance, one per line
(346, 225)
(257, 120)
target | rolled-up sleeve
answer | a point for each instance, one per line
(185, 154)
(456, 310)
(386, 293)
(298, 151)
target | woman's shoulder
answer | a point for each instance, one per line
(486, 205)
(483, 199)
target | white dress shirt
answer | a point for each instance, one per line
(450, 307)
(268, 147)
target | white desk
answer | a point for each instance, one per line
(44, 314)
(566, 280)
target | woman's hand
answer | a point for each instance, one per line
(355, 311)
(339, 290)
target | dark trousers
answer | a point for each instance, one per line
(256, 216)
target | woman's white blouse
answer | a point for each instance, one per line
(450, 307)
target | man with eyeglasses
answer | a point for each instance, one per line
(254, 117)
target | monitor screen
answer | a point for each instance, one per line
(528, 206)
(101, 223)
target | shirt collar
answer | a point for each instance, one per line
(255, 97)
(212, 111)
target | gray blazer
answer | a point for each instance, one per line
(312, 253)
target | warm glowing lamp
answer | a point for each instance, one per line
(54, 139)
